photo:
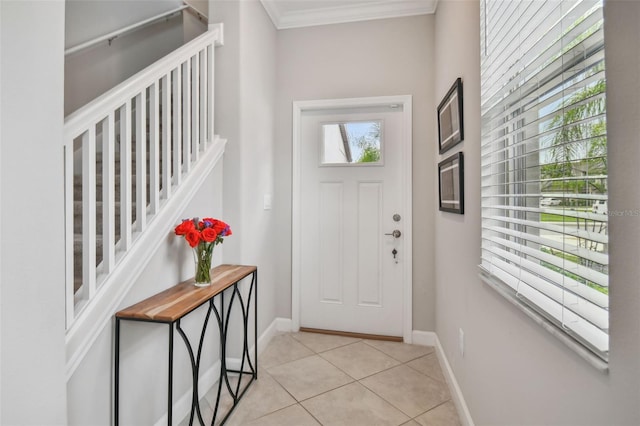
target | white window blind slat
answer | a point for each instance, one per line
(595, 337)
(544, 107)
(568, 216)
(573, 286)
(543, 160)
(558, 229)
(543, 154)
(580, 271)
(556, 244)
(560, 294)
(536, 83)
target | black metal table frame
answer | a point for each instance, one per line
(223, 327)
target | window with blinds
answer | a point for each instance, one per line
(544, 162)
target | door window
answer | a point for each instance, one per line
(351, 143)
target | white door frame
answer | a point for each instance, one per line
(296, 274)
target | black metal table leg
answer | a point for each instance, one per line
(254, 281)
(195, 366)
(220, 320)
(116, 379)
(170, 386)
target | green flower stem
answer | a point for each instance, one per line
(202, 254)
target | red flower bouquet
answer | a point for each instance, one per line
(202, 236)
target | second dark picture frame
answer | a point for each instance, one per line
(450, 119)
(451, 184)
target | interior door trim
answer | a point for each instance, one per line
(299, 107)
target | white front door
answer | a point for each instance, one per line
(351, 202)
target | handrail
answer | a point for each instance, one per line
(114, 34)
(197, 12)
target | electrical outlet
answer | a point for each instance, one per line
(461, 342)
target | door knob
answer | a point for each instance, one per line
(396, 233)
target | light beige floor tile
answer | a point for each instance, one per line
(443, 415)
(207, 415)
(282, 349)
(323, 342)
(407, 389)
(428, 365)
(400, 351)
(411, 423)
(263, 397)
(226, 401)
(359, 360)
(353, 405)
(309, 377)
(294, 415)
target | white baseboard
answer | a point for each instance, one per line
(267, 335)
(284, 325)
(278, 325)
(456, 393)
(424, 338)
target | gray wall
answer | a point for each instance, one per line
(245, 114)
(32, 319)
(622, 37)
(513, 372)
(86, 20)
(91, 72)
(375, 58)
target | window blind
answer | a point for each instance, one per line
(544, 161)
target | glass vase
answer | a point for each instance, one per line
(202, 254)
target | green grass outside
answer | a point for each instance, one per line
(548, 217)
(575, 259)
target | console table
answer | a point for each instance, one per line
(173, 304)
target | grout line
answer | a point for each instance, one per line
(311, 414)
(330, 349)
(272, 412)
(386, 400)
(443, 380)
(431, 409)
(330, 390)
(372, 374)
(284, 388)
(433, 353)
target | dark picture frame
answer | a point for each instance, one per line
(451, 184)
(450, 119)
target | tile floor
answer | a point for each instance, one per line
(316, 379)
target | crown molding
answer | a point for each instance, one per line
(380, 9)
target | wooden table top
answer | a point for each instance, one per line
(175, 302)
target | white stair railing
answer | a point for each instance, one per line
(126, 154)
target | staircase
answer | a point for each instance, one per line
(77, 217)
(132, 158)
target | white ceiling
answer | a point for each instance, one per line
(306, 13)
